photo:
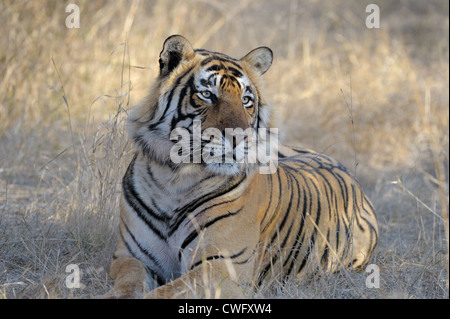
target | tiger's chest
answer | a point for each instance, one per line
(165, 226)
(161, 248)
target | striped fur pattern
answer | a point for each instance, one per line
(223, 228)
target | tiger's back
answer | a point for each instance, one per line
(324, 219)
(187, 211)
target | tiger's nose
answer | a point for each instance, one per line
(232, 116)
(232, 123)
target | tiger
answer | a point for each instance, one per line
(220, 226)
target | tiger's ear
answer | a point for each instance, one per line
(259, 59)
(176, 48)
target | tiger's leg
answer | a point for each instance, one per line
(365, 234)
(128, 273)
(211, 279)
(218, 265)
(129, 277)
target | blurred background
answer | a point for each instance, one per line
(377, 99)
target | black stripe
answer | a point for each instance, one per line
(194, 104)
(327, 195)
(169, 100)
(305, 259)
(151, 182)
(215, 67)
(263, 273)
(236, 73)
(301, 151)
(312, 241)
(270, 201)
(279, 196)
(136, 203)
(338, 229)
(286, 213)
(181, 98)
(324, 258)
(277, 231)
(127, 245)
(153, 274)
(293, 190)
(298, 242)
(344, 193)
(142, 144)
(141, 249)
(215, 205)
(229, 80)
(206, 61)
(182, 212)
(153, 179)
(357, 213)
(293, 173)
(307, 205)
(258, 117)
(333, 171)
(229, 214)
(222, 59)
(134, 199)
(219, 257)
(195, 233)
(298, 245)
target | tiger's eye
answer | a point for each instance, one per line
(247, 101)
(206, 94)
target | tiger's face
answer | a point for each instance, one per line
(205, 109)
(223, 96)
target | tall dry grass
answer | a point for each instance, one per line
(376, 99)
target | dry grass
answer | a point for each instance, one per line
(64, 95)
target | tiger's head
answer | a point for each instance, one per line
(205, 110)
